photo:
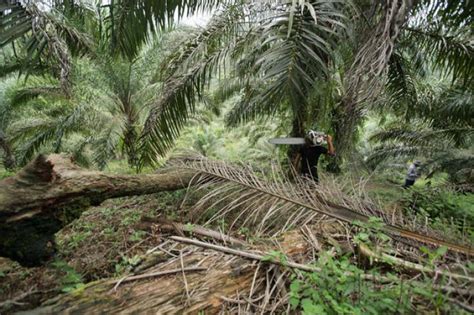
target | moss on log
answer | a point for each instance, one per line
(52, 191)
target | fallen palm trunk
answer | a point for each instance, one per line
(164, 295)
(52, 191)
(211, 281)
(307, 268)
(164, 289)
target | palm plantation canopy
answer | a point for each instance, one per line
(123, 86)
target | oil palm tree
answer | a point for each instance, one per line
(279, 50)
(283, 54)
(123, 26)
(434, 121)
(107, 109)
(432, 33)
(273, 56)
(54, 32)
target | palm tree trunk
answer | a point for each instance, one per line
(364, 77)
(297, 130)
(346, 117)
(8, 157)
(130, 140)
(130, 136)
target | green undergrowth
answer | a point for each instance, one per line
(429, 201)
(70, 279)
(108, 240)
(440, 203)
(341, 287)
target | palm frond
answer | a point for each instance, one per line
(271, 204)
(452, 162)
(20, 66)
(78, 154)
(47, 34)
(34, 134)
(406, 143)
(227, 88)
(248, 108)
(291, 58)
(20, 20)
(452, 54)
(224, 25)
(105, 146)
(454, 107)
(387, 151)
(129, 23)
(21, 96)
(15, 21)
(42, 131)
(422, 137)
(401, 85)
(451, 14)
(180, 92)
(267, 203)
(169, 114)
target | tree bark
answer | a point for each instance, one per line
(52, 191)
(297, 130)
(346, 118)
(8, 157)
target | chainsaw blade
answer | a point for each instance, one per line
(290, 141)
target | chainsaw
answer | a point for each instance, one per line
(316, 137)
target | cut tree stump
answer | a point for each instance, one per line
(52, 191)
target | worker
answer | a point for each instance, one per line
(412, 174)
(310, 152)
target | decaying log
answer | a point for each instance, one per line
(277, 261)
(52, 191)
(205, 280)
(225, 277)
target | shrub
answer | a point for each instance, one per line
(440, 204)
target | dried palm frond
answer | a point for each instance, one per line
(271, 204)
